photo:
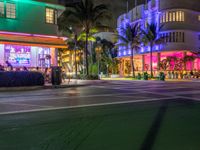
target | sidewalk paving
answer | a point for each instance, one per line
(72, 83)
(78, 83)
(170, 80)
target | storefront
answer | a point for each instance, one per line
(29, 50)
(161, 61)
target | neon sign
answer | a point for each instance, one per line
(18, 55)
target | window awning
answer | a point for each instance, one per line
(33, 40)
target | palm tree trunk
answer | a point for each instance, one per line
(75, 56)
(132, 64)
(86, 53)
(151, 65)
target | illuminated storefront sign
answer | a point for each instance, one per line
(18, 55)
(44, 57)
(29, 56)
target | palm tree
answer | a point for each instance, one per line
(109, 56)
(129, 37)
(188, 58)
(150, 36)
(72, 34)
(74, 44)
(85, 15)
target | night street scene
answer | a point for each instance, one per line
(99, 75)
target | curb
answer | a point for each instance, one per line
(27, 88)
(14, 89)
(24, 88)
(64, 86)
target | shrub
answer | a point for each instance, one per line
(145, 76)
(139, 77)
(162, 76)
(21, 78)
(90, 77)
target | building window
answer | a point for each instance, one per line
(177, 16)
(183, 16)
(170, 37)
(172, 16)
(180, 37)
(10, 10)
(163, 17)
(1, 9)
(167, 37)
(174, 37)
(51, 16)
(56, 16)
(7, 10)
(183, 36)
(167, 15)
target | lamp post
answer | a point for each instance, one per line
(98, 52)
(107, 70)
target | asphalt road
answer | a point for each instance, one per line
(109, 93)
(139, 115)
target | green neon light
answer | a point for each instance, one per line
(57, 6)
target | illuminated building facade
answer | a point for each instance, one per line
(28, 33)
(180, 21)
(66, 59)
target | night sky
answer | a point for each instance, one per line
(117, 7)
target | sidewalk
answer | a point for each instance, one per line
(167, 80)
(72, 83)
(76, 83)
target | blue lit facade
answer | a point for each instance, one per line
(180, 21)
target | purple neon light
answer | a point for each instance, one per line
(18, 55)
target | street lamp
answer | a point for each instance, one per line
(98, 50)
(107, 70)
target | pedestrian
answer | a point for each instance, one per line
(9, 65)
(47, 74)
(191, 74)
(1, 68)
(25, 68)
(64, 75)
(37, 69)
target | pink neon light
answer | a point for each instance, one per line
(27, 34)
(189, 65)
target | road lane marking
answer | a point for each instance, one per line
(22, 104)
(64, 97)
(84, 105)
